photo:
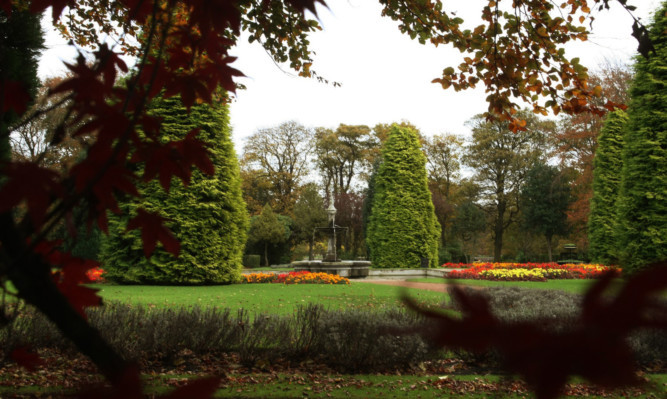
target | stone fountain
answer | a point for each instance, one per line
(331, 263)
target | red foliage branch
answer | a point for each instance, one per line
(595, 347)
(185, 53)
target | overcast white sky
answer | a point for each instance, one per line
(385, 76)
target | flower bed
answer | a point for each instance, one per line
(302, 277)
(95, 275)
(529, 271)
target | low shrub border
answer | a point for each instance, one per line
(528, 271)
(302, 277)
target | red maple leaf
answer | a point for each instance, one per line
(16, 97)
(70, 272)
(201, 388)
(195, 153)
(110, 62)
(216, 16)
(6, 7)
(138, 10)
(153, 230)
(26, 358)
(190, 87)
(29, 182)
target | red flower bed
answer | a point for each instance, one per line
(95, 275)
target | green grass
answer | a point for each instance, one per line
(576, 286)
(334, 386)
(267, 298)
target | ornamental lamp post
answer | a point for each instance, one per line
(331, 245)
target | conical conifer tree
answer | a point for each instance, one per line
(603, 220)
(403, 228)
(208, 216)
(642, 206)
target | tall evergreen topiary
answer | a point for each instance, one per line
(403, 227)
(642, 203)
(607, 165)
(208, 216)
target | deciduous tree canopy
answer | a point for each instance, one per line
(501, 160)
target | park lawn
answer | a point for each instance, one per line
(570, 285)
(276, 299)
(297, 385)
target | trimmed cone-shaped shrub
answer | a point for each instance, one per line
(403, 227)
(602, 222)
(208, 216)
(643, 196)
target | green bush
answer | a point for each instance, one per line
(251, 261)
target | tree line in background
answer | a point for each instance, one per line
(492, 193)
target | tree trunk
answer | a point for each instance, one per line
(266, 254)
(498, 241)
(31, 277)
(310, 249)
(549, 248)
(498, 231)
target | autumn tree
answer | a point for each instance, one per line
(642, 201)
(469, 223)
(576, 141)
(349, 214)
(38, 139)
(403, 228)
(513, 53)
(309, 213)
(545, 198)
(267, 229)
(501, 159)
(603, 221)
(342, 154)
(443, 160)
(279, 155)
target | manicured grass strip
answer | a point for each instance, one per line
(267, 298)
(342, 386)
(371, 386)
(575, 286)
